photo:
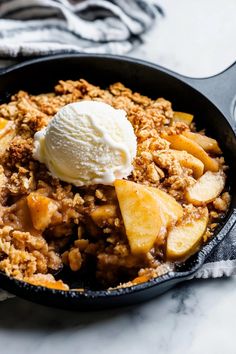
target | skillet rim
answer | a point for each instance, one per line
(18, 286)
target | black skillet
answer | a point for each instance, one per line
(40, 75)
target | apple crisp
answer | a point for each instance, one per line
(127, 233)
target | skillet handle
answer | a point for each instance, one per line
(220, 89)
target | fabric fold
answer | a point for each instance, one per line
(43, 27)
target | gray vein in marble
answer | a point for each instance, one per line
(174, 323)
(186, 301)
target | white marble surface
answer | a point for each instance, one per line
(196, 38)
(198, 317)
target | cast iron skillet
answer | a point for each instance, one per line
(40, 75)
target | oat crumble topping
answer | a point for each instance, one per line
(71, 230)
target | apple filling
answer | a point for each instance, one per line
(121, 235)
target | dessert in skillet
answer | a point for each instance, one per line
(105, 180)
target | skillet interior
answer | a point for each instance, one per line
(41, 75)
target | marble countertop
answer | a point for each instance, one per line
(196, 317)
(195, 38)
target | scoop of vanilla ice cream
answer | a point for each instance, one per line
(87, 143)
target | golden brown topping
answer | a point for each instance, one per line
(222, 203)
(75, 259)
(45, 222)
(104, 214)
(19, 151)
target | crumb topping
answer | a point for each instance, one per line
(46, 224)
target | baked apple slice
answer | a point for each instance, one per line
(208, 144)
(183, 117)
(46, 280)
(3, 124)
(140, 279)
(41, 210)
(207, 188)
(170, 208)
(184, 239)
(102, 213)
(181, 142)
(7, 133)
(22, 218)
(141, 215)
(189, 161)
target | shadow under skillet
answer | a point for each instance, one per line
(20, 315)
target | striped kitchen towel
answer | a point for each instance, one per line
(43, 27)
